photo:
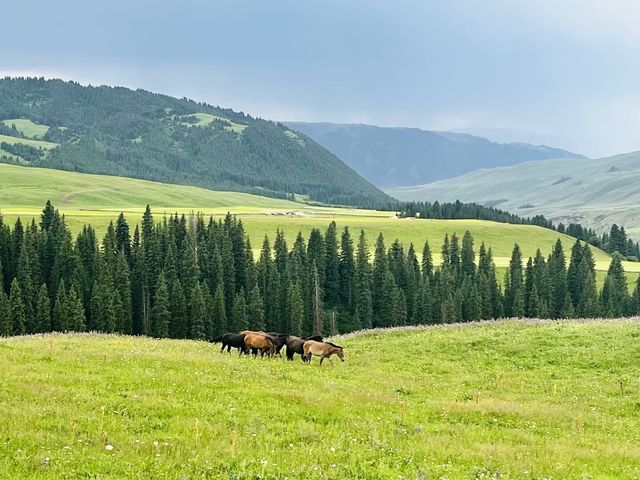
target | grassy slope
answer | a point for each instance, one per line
(97, 199)
(597, 192)
(27, 127)
(527, 400)
(26, 141)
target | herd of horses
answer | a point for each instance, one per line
(272, 343)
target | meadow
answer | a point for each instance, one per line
(508, 399)
(98, 199)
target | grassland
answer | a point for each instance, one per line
(510, 400)
(203, 119)
(98, 199)
(593, 192)
(27, 141)
(27, 127)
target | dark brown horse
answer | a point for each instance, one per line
(230, 340)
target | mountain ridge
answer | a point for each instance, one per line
(399, 156)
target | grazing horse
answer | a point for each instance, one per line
(296, 345)
(322, 350)
(229, 340)
(258, 342)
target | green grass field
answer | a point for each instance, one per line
(26, 141)
(27, 127)
(204, 119)
(510, 400)
(97, 199)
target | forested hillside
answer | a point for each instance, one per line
(111, 130)
(410, 156)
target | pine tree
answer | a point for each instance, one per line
(197, 313)
(219, 312)
(380, 283)
(255, 310)
(514, 286)
(59, 319)
(43, 310)
(6, 326)
(179, 326)
(74, 311)
(17, 311)
(615, 295)
(161, 314)
(364, 302)
(123, 238)
(558, 278)
(427, 262)
(468, 256)
(399, 308)
(331, 286)
(296, 309)
(347, 272)
(239, 313)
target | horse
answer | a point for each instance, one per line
(322, 350)
(279, 340)
(229, 340)
(258, 342)
(296, 345)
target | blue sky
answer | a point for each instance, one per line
(564, 72)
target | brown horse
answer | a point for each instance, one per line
(322, 350)
(258, 342)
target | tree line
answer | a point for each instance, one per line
(191, 277)
(615, 240)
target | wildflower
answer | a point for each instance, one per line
(108, 447)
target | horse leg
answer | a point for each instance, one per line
(222, 348)
(322, 359)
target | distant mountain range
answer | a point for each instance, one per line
(595, 193)
(390, 157)
(118, 131)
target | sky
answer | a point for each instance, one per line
(560, 72)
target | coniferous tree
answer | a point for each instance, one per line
(255, 310)
(399, 308)
(17, 311)
(6, 326)
(59, 320)
(331, 286)
(219, 312)
(364, 302)
(427, 262)
(347, 272)
(514, 286)
(74, 311)
(467, 256)
(43, 310)
(296, 309)
(161, 313)
(239, 313)
(197, 313)
(615, 295)
(558, 279)
(179, 326)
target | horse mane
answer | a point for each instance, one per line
(334, 345)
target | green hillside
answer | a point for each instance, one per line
(509, 400)
(117, 131)
(98, 199)
(594, 193)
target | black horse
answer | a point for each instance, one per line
(229, 340)
(279, 340)
(296, 345)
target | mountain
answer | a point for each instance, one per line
(595, 193)
(118, 131)
(409, 156)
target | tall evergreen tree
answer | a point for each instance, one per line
(161, 313)
(331, 284)
(296, 310)
(255, 310)
(43, 310)
(197, 313)
(239, 316)
(219, 312)
(17, 311)
(364, 301)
